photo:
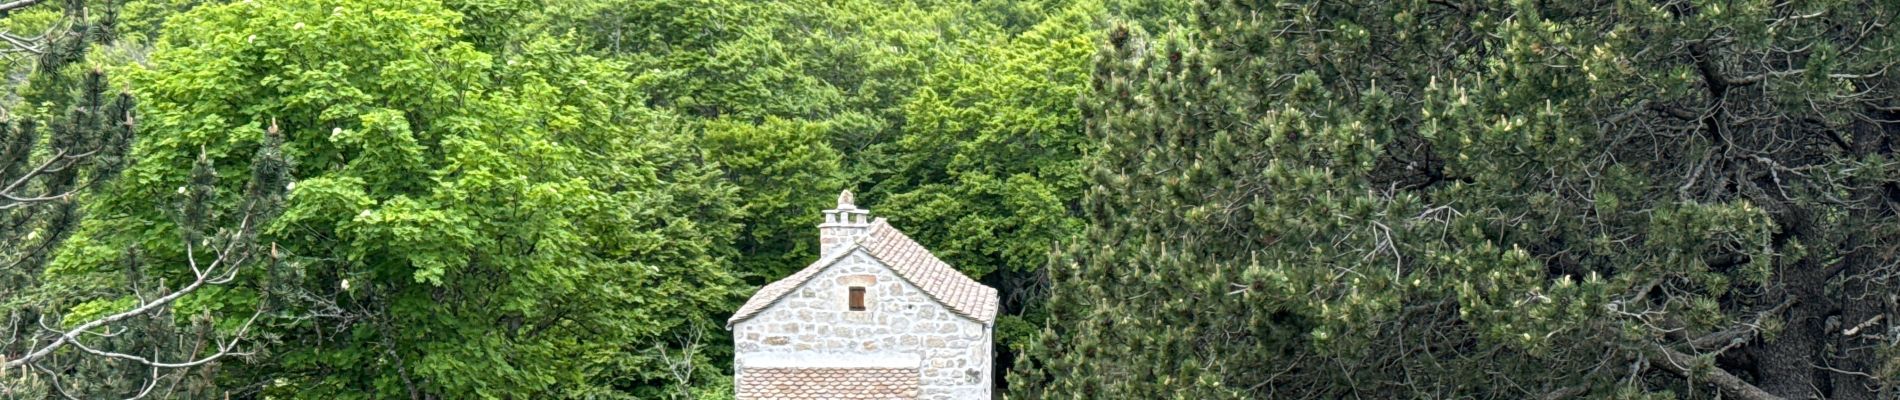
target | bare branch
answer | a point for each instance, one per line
(18, 4)
(71, 336)
(1686, 366)
(1727, 337)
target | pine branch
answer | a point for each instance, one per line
(235, 254)
(1728, 384)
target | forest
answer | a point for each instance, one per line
(1184, 199)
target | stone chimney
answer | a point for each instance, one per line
(841, 225)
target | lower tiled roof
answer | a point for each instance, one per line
(827, 383)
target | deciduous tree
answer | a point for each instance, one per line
(465, 225)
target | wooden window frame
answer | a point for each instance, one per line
(857, 298)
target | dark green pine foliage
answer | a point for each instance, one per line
(45, 168)
(1486, 199)
(67, 136)
(43, 165)
(133, 349)
(66, 132)
(61, 133)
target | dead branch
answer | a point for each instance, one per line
(1686, 366)
(18, 4)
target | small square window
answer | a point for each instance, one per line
(857, 298)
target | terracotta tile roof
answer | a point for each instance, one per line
(911, 261)
(955, 290)
(776, 290)
(828, 383)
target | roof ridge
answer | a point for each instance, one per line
(777, 290)
(937, 279)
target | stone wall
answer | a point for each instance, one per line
(815, 324)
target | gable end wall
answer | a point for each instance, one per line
(813, 322)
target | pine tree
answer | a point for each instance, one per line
(1486, 199)
(128, 342)
(47, 157)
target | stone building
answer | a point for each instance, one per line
(876, 317)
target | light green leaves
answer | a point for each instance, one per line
(466, 225)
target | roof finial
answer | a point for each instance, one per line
(845, 201)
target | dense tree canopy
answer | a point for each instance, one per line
(1486, 199)
(66, 134)
(506, 199)
(1176, 198)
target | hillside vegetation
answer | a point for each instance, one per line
(507, 199)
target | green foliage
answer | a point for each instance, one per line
(63, 132)
(1400, 199)
(955, 117)
(989, 161)
(1432, 199)
(781, 168)
(462, 225)
(481, 212)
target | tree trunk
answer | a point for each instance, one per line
(1787, 362)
